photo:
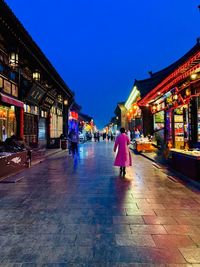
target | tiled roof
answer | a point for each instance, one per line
(23, 37)
(145, 86)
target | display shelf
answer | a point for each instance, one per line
(187, 163)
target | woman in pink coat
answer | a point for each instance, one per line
(123, 157)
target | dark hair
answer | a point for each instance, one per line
(122, 130)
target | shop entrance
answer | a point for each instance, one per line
(7, 122)
(30, 129)
(42, 132)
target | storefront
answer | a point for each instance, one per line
(29, 86)
(56, 122)
(34, 117)
(55, 127)
(133, 112)
(42, 128)
(8, 123)
(11, 110)
(176, 117)
(175, 105)
(31, 116)
(134, 121)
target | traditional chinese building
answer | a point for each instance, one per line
(120, 112)
(34, 100)
(175, 106)
(144, 109)
(174, 102)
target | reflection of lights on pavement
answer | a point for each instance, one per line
(85, 152)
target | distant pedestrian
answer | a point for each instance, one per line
(95, 136)
(74, 139)
(129, 134)
(98, 136)
(137, 134)
(111, 136)
(123, 157)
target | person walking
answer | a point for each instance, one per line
(123, 157)
(98, 136)
(74, 139)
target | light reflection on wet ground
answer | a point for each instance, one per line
(79, 212)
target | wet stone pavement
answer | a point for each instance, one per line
(81, 213)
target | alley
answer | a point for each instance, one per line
(81, 213)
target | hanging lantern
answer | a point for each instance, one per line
(135, 106)
(36, 75)
(193, 76)
(65, 102)
(154, 108)
(188, 92)
(13, 59)
(175, 97)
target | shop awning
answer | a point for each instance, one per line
(11, 101)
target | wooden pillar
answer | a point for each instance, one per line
(22, 123)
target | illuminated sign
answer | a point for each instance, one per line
(132, 98)
(73, 115)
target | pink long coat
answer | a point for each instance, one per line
(123, 157)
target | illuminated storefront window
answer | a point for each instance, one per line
(56, 123)
(7, 122)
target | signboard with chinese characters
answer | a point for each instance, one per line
(14, 90)
(48, 102)
(60, 101)
(73, 115)
(7, 87)
(35, 94)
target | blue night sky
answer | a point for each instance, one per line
(100, 47)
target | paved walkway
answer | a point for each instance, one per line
(65, 213)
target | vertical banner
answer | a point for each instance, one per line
(22, 123)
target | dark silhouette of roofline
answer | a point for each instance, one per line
(146, 85)
(23, 37)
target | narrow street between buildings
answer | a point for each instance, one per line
(65, 212)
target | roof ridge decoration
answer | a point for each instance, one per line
(177, 75)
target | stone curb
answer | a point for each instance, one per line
(11, 179)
